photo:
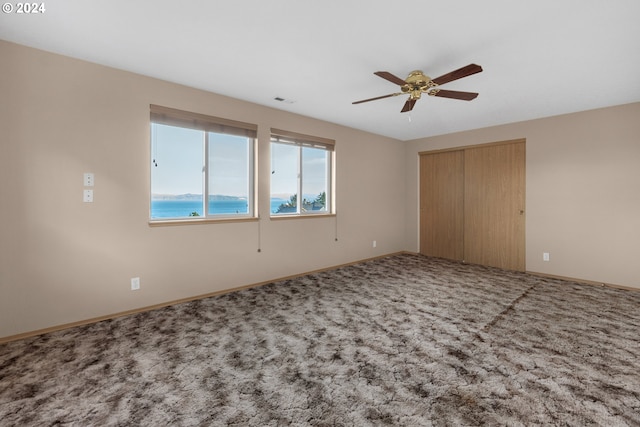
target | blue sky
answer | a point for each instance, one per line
(179, 165)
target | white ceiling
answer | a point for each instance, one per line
(540, 58)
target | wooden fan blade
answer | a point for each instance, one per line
(377, 97)
(454, 94)
(457, 74)
(408, 106)
(390, 77)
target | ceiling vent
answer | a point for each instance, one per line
(286, 101)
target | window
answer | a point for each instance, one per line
(301, 174)
(202, 167)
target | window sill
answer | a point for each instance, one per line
(307, 216)
(199, 221)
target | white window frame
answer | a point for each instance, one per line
(279, 136)
(209, 124)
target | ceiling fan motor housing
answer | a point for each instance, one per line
(417, 83)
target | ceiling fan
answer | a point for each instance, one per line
(418, 83)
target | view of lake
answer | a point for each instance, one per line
(180, 208)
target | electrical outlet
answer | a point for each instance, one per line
(545, 256)
(135, 283)
(375, 244)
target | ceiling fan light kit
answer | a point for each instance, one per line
(418, 83)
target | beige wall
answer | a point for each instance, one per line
(62, 260)
(583, 191)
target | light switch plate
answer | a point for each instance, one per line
(88, 179)
(87, 196)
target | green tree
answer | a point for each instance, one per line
(319, 202)
(321, 199)
(288, 206)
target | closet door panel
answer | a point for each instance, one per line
(441, 204)
(494, 183)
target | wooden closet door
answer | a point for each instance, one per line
(494, 200)
(441, 204)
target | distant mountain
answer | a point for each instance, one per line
(194, 197)
(187, 196)
(216, 197)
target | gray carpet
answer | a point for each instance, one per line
(403, 340)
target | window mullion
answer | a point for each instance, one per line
(300, 171)
(205, 175)
(251, 182)
(327, 185)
